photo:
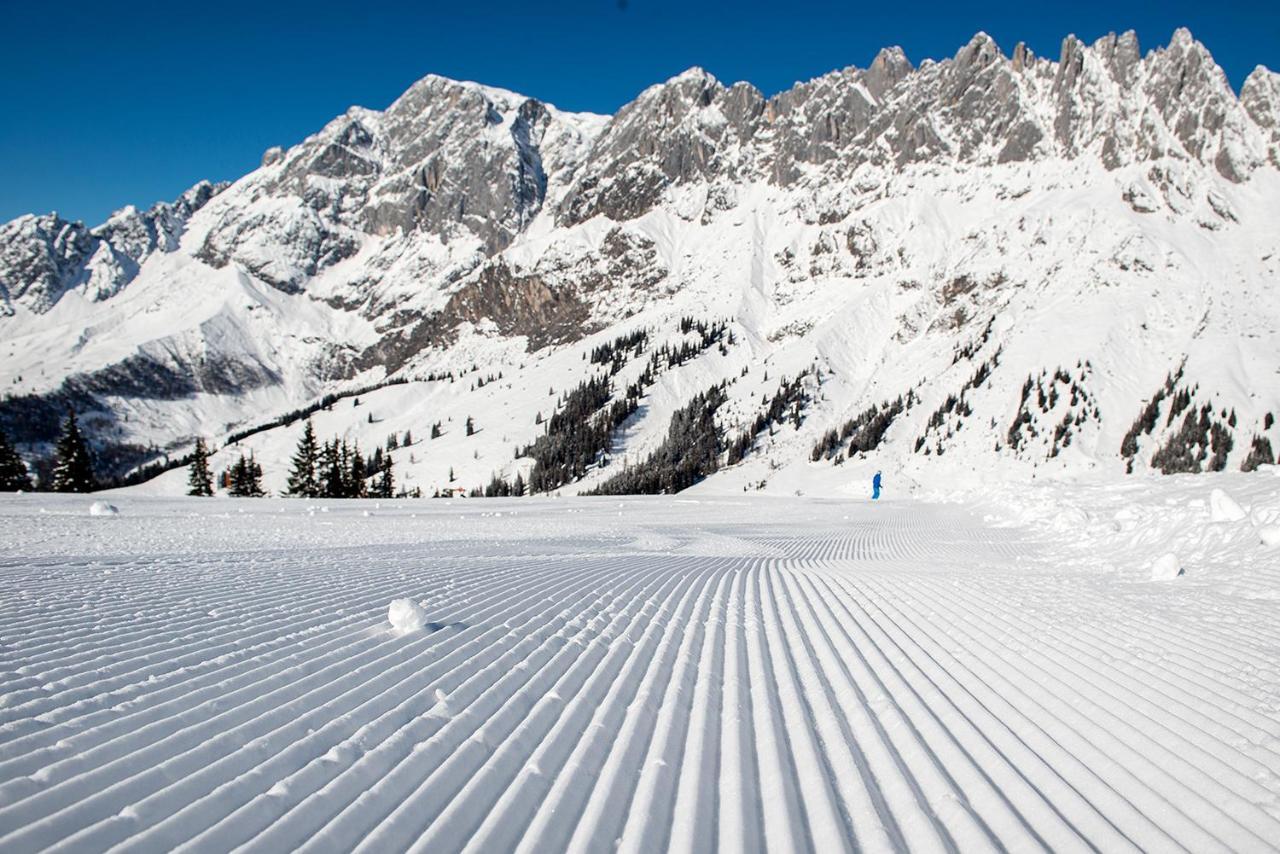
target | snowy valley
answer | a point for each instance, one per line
(670, 348)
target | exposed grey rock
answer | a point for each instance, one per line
(43, 257)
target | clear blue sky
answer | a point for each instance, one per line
(108, 104)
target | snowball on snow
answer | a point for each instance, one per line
(102, 508)
(1166, 568)
(1224, 508)
(406, 615)
(1270, 535)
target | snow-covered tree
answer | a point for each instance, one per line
(199, 480)
(302, 477)
(13, 471)
(73, 466)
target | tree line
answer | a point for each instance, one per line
(72, 463)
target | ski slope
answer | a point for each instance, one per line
(691, 673)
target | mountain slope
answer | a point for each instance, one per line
(1027, 251)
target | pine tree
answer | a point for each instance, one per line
(302, 478)
(435, 430)
(13, 471)
(356, 487)
(331, 472)
(73, 467)
(471, 426)
(246, 478)
(517, 486)
(200, 481)
(386, 483)
(408, 439)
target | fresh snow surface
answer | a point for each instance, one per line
(693, 672)
(1225, 508)
(1166, 568)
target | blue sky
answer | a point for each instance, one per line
(112, 104)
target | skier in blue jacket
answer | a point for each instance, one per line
(875, 487)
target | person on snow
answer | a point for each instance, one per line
(875, 487)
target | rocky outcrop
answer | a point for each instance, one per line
(44, 257)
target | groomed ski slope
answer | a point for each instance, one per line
(682, 673)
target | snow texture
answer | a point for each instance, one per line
(677, 673)
(1224, 507)
(1166, 568)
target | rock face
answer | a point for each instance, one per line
(44, 257)
(397, 242)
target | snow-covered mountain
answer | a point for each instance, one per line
(1058, 266)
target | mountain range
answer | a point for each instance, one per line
(990, 265)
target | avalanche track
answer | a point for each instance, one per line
(645, 674)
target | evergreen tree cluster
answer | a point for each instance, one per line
(788, 401)
(957, 405)
(865, 432)
(499, 488)
(337, 469)
(1146, 420)
(199, 478)
(1049, 390)
(616, 352)
(1200, 444)
(244, 478)
(341, 470)
(971, 348)
(690, 453)
(14, 476)
(1260, 454)
(481, 382)
(73, 464)
(578, 434)
(326, 402)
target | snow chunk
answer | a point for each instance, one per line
(1166, 568)
(102, 508)
(1224, 508)
(1270, 536)
(406, 615)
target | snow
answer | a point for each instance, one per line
(1224, 507)
(102, 508)
(962, 670)
(1166, 568)
(406, 615)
